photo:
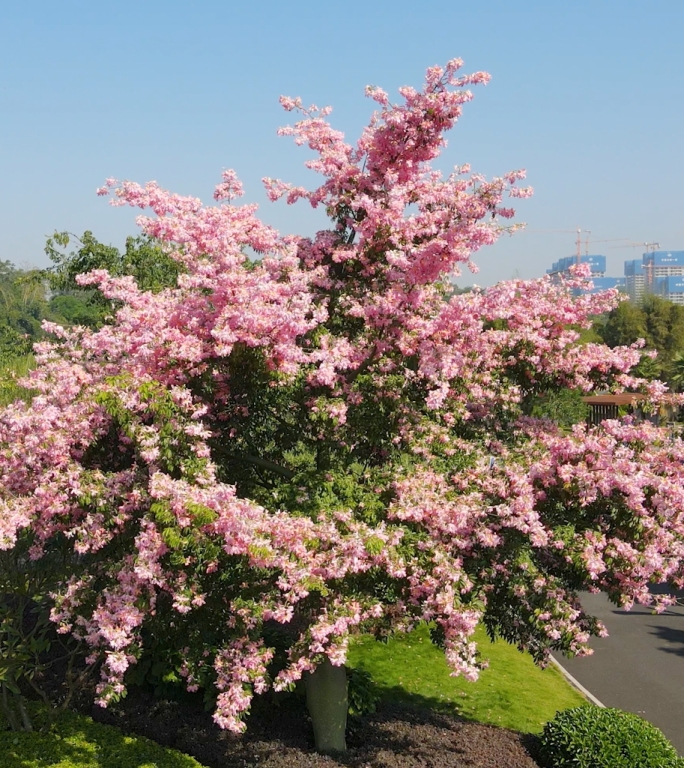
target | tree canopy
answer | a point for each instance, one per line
(142, 259)
(660, 323)
(23, 306)
(261, 459)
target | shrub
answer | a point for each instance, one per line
(362, 693)
(35, 660)
(75, 741)
(591, 737)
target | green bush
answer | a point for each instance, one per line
(592, 737)
(33, 655)
(75, 741)
(361, 691)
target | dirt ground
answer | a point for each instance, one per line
(281, 737)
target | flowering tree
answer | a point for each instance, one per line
(325, 441)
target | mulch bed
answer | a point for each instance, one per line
(280, 736)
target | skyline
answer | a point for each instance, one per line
(587, 98)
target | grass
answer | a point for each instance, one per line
(512, 692)
(76, 741)
(10, 371)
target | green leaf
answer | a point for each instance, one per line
(172, 538)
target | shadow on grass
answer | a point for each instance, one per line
(395, 694)
(80, 743)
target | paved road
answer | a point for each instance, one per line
(640, 667)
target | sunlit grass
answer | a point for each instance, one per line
(512, 692)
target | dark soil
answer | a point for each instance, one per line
(280, 736)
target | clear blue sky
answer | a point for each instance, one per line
(587, 95)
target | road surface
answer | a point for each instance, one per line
(640, 667)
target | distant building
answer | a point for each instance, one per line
(662, 264)
(596, 263)
(605, 284)
(658, 272)
(635, 279)
(670, 288)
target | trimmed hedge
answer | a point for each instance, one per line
(592, 737)
(77, 742)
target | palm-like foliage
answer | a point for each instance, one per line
(677, 377)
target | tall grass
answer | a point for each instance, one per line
(11, 371)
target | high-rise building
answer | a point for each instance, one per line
(635, 279)
(596, 263)
(670, 288)
(659, 264)
(605, 284)
(657, 272)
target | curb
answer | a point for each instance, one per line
(576, 683)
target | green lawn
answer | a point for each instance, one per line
(78, 742)
(512, 692)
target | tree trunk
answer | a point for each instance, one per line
(326, 699)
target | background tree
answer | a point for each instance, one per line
(143, 259)
(565, 407)
(624, 325)
(23, 306)
(659, 322)
(677, 377)
(263, 459)
(23, 303)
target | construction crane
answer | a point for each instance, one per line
(579, 241)
(577, 231)
(587, 232)
(650, 247)
(582, 239)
